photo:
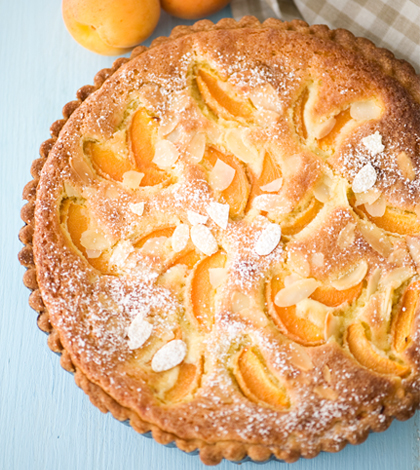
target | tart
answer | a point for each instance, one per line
(223, 242)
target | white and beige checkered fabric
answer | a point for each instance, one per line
(393, 24)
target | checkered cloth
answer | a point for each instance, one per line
(393, 24)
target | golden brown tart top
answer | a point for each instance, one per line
(227, 240)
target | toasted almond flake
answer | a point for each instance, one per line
(397, 276)
(346, 236)
(94, 239)
(70, 191)
(240, 302)
(266, 97)
(299, 263)
(121, 252)
(238, 145)
(332, 326)
(291, 279)
(93, 253)
(298, 357)
(322, 129)
(406, 166)
(203, 239)
(295, 293)
(217, 276)
(365, 110)
(175, 135)
(326, 373)
(221, 175)
(196, 147)
(219, 213)
(352, 278)
(195, 218)
(413, 244)
(255, 316)
(268, 240)
(373, 143)
(139, 332)
(326, 393)
(373, 282)
(166, 154)
(82, 169)
(365, 179)
(137, 208)
(376, 209)
(269, 202)
(180, 237)
(322, 193)
(169, 356)
(368, 197)
(112, 193)
(168, 125)
(317, 260)
(313, 311)
(132, 179)
(155, 245)
(377, 239)
(273, 186)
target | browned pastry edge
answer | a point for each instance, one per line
(210, 454)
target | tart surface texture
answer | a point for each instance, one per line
(227, 240)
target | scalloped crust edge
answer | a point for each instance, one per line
(210, 454)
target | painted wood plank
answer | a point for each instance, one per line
(46, 422)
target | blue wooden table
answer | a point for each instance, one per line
(46, 421)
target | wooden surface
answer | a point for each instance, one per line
(46, 421)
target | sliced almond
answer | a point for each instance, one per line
(406, 166)
(322, 191)
(365, 179)
(166, 154)
(169, 356)
(139, 332)
(219, 213)
(168, 125)
(299, 263)
(195, 218)
(373, 282)
(196, 147)
(377, 239)
(137, 208)
(132, 179)
(368, 197)
(313, 311)
(373, 143)
(377, 208)
(93, 253)
(203, 239)
(346, 236)
(318, 260)
(291, 279)
(217, 276)
(180, 237)
(268, 239)
(273, 186)
(266, 97)
(332, 326)
(82, 169)
(295, 293)
(397, 276)
(269, 202)
(94, 239)
(121, 252)
(221, 176)
(299, 358)
(326, 393)
(240, 302)
(413, 244)
(236, 142)
(365, 110)
(155, 245)
(352, 278)
(322, 129)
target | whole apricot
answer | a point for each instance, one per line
(110, 27)
(192, 9)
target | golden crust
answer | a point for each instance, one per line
(372, 399)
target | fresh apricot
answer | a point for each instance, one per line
(110, 27)
(192, 9)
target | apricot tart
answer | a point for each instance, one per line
(223, 239)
